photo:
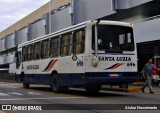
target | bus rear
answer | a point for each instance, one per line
(113, 56)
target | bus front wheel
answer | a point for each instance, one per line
(55, 83)
(25, 84)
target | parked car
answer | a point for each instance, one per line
(156, 72)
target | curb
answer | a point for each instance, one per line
(135, 89)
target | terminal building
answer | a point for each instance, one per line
(59, 14)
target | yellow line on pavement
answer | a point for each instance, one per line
(134, 89)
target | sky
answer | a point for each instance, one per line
(12, 11)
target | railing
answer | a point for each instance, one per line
(6, 77)
(146, 19)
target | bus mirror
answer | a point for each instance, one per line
(16, 54)
(96, 41)
(95, 61)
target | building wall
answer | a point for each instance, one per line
(38, 29)
(61, 20)
(21, 36)
(9, 58)
(10, 41)
(147, 31)
(1, 60)
(125, 4)
(92, 9)
(2, 45)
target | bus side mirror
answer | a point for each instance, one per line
(16, 54)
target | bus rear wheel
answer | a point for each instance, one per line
(56, 86)
(26, 85)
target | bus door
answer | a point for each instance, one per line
(78, 57)
(72, 54)
(78, 51)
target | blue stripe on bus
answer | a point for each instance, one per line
(82, 79)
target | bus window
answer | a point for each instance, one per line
(114, 38)
(30, 52)
(45, 49)
(79, 39)
(55, 47)
(37, 51)
(66, 46)
(125, 42)
(24, 54)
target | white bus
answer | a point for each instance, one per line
(89, 54)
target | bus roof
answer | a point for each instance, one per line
(73, 27)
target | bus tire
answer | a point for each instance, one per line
(55, 83)
(93, 88)
(25, 84)
(56, 87)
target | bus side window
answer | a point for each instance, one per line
(79, 41)
(30, 52)
(45, 49)
(55, 47)
(24, 54)
(37, 51)
(66, 45)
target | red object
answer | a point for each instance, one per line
(155, 72)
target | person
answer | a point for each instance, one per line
(147, 72)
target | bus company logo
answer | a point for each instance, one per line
(80, 63)
(104, 58)
(74, 58)
(50, 65)
(30, 67)
(115, 66)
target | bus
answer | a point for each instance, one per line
(89, 54)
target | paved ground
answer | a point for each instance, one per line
(77, 100)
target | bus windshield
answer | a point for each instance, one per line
(114, 38)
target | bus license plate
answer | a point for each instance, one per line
(114, 75)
